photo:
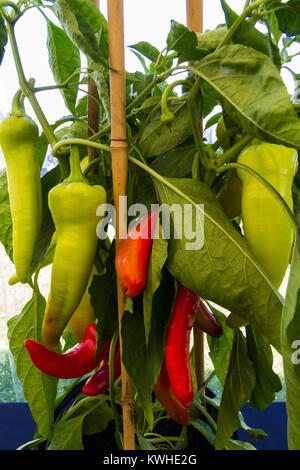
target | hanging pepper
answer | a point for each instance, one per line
(99, 381)
(164, 393)
(76, 362)
(206, 320)
(18, 139)
(177, 349)
(133, 254)
(266, 226)
(73, 205)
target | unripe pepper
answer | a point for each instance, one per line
(165, 394)
(84, 315)
(177, 349)
(266, 226)
(230, 196)
(99, 381)
(76, 362)
(206, 321)
(18, 139)
(73, 205)
(133, 254)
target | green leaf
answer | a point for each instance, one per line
(267, 382)
(143, 364)
(146, 49)
(290, 348)
(39, 389)
(68, 434)
(3, 38)
(249, 36)
(237, 390)
(48, 181)
(181, 39)
(158, 138)
(253, 93)
(223, 271)
(79, 31)
(220, 348)
(103, 291)
(289, 18)
(64, 60)
(159, 254)
(88, 10)
(5, 216)
(205, 430)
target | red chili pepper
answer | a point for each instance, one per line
(76, 362)
(99, 380)
(178, 345)
(206, 320)
(164, 393)
(133, 254)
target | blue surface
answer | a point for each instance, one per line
(273, 421)
(16, 425)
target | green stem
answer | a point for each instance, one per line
(17, 107)
(166, 114)
(75, 141)
(195, 121)
(233, 151)
(268, 186)
(75, 170)
(111, 360)
(26, 88)
(206, 414)
(148, 88)
(91, 165)
(239, 21)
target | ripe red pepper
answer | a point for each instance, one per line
(99, 380)
(164, 393)
(177, 350)
(75, 362)
(133, 254)
(206, 320)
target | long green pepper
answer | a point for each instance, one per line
(73, 204)
(18, 139)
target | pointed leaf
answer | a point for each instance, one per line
(252, 92)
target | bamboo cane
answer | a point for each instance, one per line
(119, 153)
(92, 112)
(194, 14)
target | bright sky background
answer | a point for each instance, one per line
(144, 21)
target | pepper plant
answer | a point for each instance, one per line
(230, 76)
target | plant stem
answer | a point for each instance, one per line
(246, 12)
(148, 88)
(75, 141)
(112, 349)
(26, 88)
(233, 151)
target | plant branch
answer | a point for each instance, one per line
(27, 89)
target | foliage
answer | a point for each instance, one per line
(236, 68)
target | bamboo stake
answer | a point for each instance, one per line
(194, 13)
(119, 153)
(92, 112)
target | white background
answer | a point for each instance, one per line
(144, 21)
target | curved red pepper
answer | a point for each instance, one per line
(99, 380)
(164, 393)
(133, 254)
(206, 320)
(177, 350)
(76, 362)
